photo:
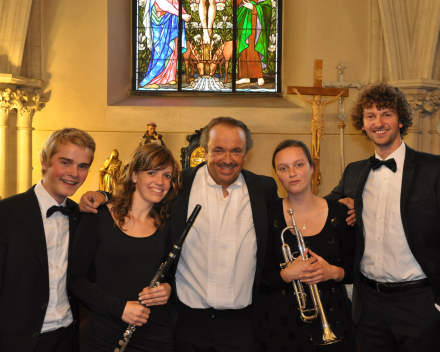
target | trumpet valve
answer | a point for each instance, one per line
(284, 265)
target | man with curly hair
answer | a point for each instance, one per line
(396, 196)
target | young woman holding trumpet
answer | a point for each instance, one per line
(330, 244)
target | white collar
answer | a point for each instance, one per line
(398, 155)
(45, 199)
(209, 180)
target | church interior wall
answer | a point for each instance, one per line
(86, 69)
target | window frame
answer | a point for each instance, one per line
(179, 92)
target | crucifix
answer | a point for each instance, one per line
(317, 125)
(340, 83)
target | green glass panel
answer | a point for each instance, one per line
(256, 55)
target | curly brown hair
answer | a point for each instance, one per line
(146, 157)
(383, 96)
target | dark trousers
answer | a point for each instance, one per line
(399, 321)
(59, 340)
(212, 330)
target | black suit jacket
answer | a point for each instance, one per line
(419, 208)
(24, 273)
(262, 192)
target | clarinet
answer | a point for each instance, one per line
(160, 274)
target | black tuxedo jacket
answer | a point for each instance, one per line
(419, 208)
(262, 192)
(24, 275)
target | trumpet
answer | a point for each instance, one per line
(307, 315)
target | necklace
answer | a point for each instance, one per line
(310, 214)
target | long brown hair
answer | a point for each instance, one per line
(146, 157)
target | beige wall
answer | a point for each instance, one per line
(86, 52)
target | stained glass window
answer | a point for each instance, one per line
(207, 45)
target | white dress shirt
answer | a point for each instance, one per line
(218, 259)
(387, 256)
(56, 229)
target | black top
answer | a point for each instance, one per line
(121, 266)
(281, 328)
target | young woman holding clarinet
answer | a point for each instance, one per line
(117, 253)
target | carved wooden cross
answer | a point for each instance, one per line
(317, 126)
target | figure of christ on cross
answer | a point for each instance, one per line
(317, 126)
(207, 12)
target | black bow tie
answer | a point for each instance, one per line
(63, 210)
(376, 163)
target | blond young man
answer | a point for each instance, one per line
(36, 311)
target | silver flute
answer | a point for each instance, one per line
(160, 274)
(328, 336)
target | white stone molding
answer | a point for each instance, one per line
(20, 43)
(403, 42)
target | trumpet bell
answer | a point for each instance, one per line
(328, 338)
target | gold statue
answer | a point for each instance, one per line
(110, 172)
(317, 127)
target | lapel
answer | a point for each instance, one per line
(73, 221)
(179, 212)
(409, 167)
(359, 205)
(259, 215)
(73, 224)
(35, 223)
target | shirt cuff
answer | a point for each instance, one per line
(437, 306)
(105, 194)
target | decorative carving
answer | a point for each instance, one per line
(424, 104)
(192, 155)
(23, 102)
(5, 97)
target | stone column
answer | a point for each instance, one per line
(4, 129)
(414, 132)
(24, 149)
(424, 107)
(25, 111)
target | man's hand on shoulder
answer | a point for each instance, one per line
(90, 201)
(349, 203)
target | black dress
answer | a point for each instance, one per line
(109, 268)
(281, 328)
